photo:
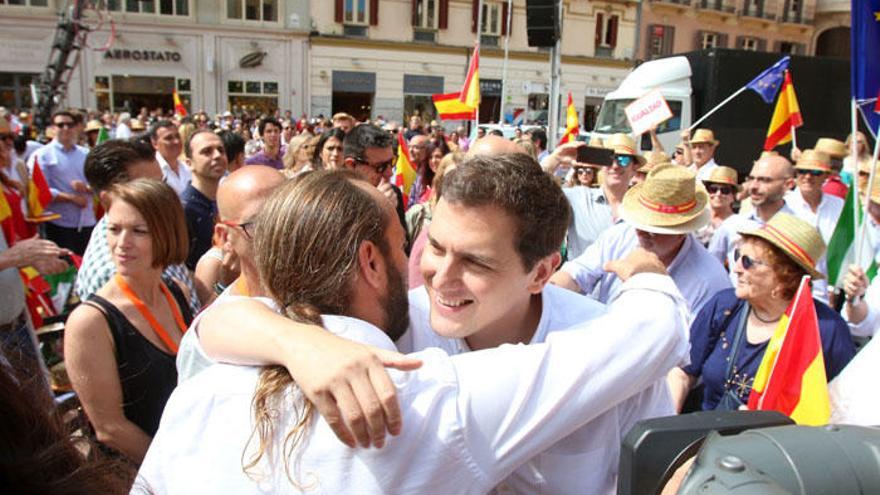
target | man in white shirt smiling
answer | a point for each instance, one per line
(165, 139)
(465, 427)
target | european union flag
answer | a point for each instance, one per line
(865, 61)
(768, 82)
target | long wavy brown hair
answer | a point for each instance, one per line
(306, 244)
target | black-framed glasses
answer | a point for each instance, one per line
(715, 188)
(814, 173)
(747, 261)
(246, 227)
(65, 125)
(623, 160)
(378, 167)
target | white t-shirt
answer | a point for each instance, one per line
(469, 420)
(177, 180)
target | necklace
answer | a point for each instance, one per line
(771, 320)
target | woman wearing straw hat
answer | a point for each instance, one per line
(659, 214)
(722, 186)
(729, 336)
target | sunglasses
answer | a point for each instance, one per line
(715, 188)
(623, 160)
(246, 227)
(747, 261)
(814, 173)
(65, 125)
(583, 170)
(677, 152)
(378, 167)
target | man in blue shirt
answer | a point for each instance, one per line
(206, 158)
(62, 162)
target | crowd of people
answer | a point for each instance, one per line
(262, 299)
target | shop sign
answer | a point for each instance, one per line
(354, 82)
(490, 87)
(597, 91)
(427, 85)
(142, 55)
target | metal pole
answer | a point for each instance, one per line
(504, 65)
(555, 75)
(479, 37)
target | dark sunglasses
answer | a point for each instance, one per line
(747, 261)
(65, 125)
(714, 188)
(814, 173)
(583, 170)
(677, 152)
(379, 167)
(623, 160)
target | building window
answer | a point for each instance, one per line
(492, 24)
(606, 34)
(426, 14)
(155, 7)
(252, 10)
(15, 89)
(794, 6)
(660, 39)
(710, 40)
(25, 3)
(356, 12)
(260, 96)
(749, 44)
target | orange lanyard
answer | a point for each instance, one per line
(148, 315)
(240, 286)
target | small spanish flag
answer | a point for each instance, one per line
(404, 173)
(470, 92)
(791, 378)
(450, 107)
(786, 116)
(39, 196)
(179, 109)
(572, 126)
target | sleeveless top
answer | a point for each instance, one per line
(147, 374)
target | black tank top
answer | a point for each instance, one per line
(147, 374)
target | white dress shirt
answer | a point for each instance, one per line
(469, 420)
(587, 457)
(704, 171)
(726, 238)
(177, 180)
(851, 392)
(696, 273)
(590, 216)
(824, 219)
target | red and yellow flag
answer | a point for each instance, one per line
(791, 378)
(786, 116)
(470, 91)
(572, 126)
(404, 173)
(39, 195)
(6, 224)
(450, 107)
(179, 109)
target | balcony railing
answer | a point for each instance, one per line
(795, 18)
(676, 2)
(717, 6)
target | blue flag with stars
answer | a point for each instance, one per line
(768, 82)
(865, 61)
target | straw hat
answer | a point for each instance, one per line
(93, 125)
(624, 144)
(813, 160)
(596, 142)
(669, 201)
(704, 136)
(654, 159)
(724, 175)
(831, 147)
(795, 238)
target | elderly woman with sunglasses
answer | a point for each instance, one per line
(722, 186)
(730, 334)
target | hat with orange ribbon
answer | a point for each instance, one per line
(669, 201)
(795, 238)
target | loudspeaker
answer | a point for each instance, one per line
(542, 22)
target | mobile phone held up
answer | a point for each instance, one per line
(592, 155)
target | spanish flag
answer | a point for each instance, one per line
(572, 125)
(179, 109)
(450, 107)
(470, 92)
(786, 116)
(404, 173)
(791, 378)
(7, 228)
(39, 195)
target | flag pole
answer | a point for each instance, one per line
(504, 66)
(718, 106)
(479, 38)
(863, 228)
(853, 150)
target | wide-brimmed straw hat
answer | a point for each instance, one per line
(654, 159)
(795, 238)
(93, 125)
(624, 144)
(595, 141)
(723, 175)
(813, 160)
(669, 201)
(831, 147)
(704, 136)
